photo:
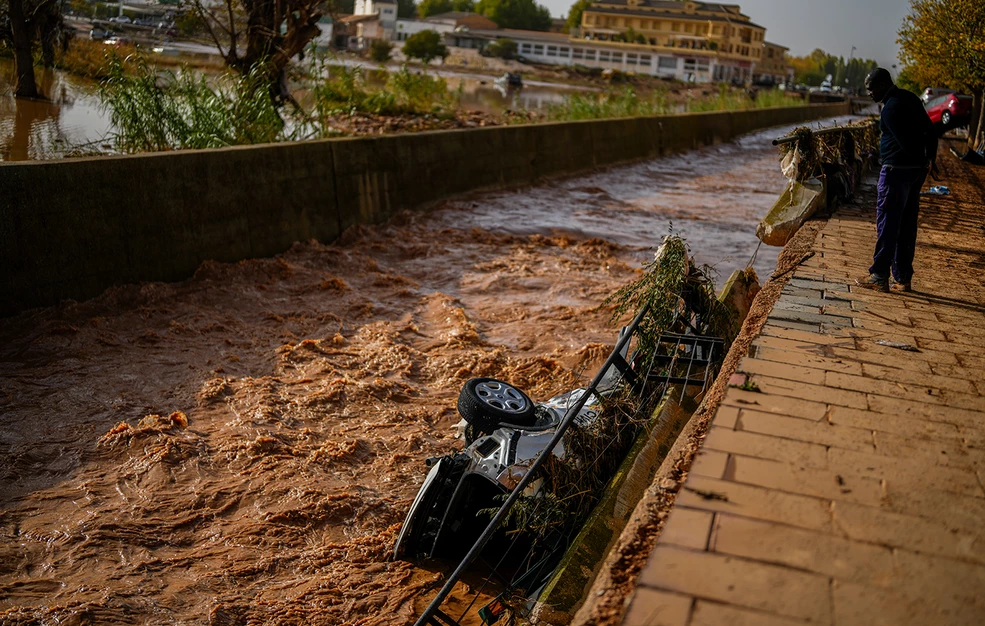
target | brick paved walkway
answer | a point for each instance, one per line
(849, 490)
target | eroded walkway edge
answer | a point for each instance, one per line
(841, 480)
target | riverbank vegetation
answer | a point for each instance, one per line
(627, 102)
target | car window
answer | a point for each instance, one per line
(935, 101)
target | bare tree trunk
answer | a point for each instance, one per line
(976, 129)
(23, 58)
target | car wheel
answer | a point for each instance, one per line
(946, 118)
(486, 402)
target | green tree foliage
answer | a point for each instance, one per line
(406, 8)
(425, 45)
(503, 48)
(942, 42)
(380, 50)
(818, 65)
(521, 14)
(574, 15)
(428, 8)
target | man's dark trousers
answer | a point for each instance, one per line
(897, 208)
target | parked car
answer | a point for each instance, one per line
(950, 110)
(99, 34)
(933, 92)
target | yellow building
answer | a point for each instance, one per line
(773, 65)
(711, 41)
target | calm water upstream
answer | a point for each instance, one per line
(71, 119)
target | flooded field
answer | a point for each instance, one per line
(70, 120)
(242, 447)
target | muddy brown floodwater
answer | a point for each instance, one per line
(242, 447)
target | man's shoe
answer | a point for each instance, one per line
(901, 287)
(873, 282)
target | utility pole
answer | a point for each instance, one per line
(848, 68)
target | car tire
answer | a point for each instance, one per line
(487, 402)
(946, 118)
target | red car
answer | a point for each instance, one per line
(950, 110)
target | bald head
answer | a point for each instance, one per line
(878, 83)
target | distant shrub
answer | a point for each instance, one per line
(380, 50)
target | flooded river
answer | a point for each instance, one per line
(242, 447)
(70, 120)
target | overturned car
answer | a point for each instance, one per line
(531, 473)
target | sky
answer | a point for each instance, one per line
(831, 25)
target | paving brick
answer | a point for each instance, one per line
(812, 393)
(709, 463)
(960, 417)
(830, 555)
(803, 480)
(943, 345)
(804, 358)
(907, 378)
(781, 370)
(915, 428)
(959, 511)
(863, 384)
(947, 582)
(869, 344)
(797, 335)
(715, 614)
(756, 502)
(726, 416)
(781, 322)
(650, 607)
(778, 590)
(904, 472)
(688, 528)
(766, 447)
(862, 604)
(820, 432)
(783, 405)
(874, 525)
(956, 454)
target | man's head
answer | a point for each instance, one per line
(878, 83)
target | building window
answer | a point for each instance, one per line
(676, 27)
(525, 48)
(538, 49)
(617, 57)
(577, 53)
(552, 51)
(589, 55)
(667, 63)
(564, 52)
(630, 58)
(645, 59)
(603, 55)
(688, 28)
(716, 30)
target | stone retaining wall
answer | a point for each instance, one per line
(69, 229)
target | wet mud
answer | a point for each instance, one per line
(242, 447)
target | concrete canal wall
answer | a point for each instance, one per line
(70, 229)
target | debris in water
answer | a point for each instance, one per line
(899, 345)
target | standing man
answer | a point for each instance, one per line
(908, 150)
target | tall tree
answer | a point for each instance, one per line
(428, 8)
(943, 43)
(575, 13)
(521, 14)
(406, 8)
(22, 24)
(262, 35)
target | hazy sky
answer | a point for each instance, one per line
(832, 25)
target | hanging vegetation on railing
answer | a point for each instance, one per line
(806, 152)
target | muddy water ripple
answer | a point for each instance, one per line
(242, 447)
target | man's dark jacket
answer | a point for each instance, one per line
(909, 138)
